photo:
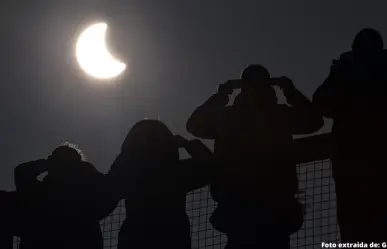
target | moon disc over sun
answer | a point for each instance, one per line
(93, 56)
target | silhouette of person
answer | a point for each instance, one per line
(256, 179)
(353, 96)
(63, 207)
(154, 182)
(9, 218)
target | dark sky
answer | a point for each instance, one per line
(177, 53)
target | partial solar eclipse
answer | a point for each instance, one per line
(93, 56)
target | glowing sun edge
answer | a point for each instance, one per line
(93, 56)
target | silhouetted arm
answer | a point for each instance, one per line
(116, 178)
(327, 96)
(195, 173)
(104, 193)
(301, 117)
(115, 183)
(100, 194)
(196, 170)
(206, 119)
(197, 149)
(26, 176)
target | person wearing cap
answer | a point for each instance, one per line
(256, 180)
(353, 95)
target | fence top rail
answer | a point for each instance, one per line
(313, 148)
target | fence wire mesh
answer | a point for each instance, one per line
(317, 193)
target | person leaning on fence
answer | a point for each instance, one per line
(353, 95)
(256, 179)
(61, 211)
(154, 182)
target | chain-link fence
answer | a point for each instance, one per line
(318, 194)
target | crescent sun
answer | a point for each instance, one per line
(93, 56)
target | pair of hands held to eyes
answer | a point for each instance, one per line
(284, 83)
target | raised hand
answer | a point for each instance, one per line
(283, 83)
(229, 86)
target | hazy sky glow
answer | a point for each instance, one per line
(177, 53)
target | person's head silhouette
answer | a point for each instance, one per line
(367, 41)
(150, 139)
(257, 90)
(65, 153)
(64, 157)
(255, 73)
